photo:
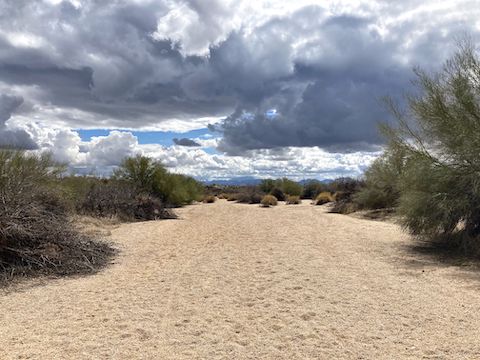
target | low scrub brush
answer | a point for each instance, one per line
(232, 197)
(293, 200)
(278, 193)
(249, 198)
(324, 198)
(36, 234)
(269, 200)
(209, 199)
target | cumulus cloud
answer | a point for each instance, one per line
(102, 154)
(185, 142)
(112, 149)
(176, 64)
(267, 75)
(11, 137)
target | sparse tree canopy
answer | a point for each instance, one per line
(439, 134)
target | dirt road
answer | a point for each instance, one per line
(232, 281)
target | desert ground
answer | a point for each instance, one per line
(233, 281)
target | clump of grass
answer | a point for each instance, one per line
(269, 200)
(209, 199)
(324, 198)
(293, 200)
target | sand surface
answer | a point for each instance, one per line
(232, 281)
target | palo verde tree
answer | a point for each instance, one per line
(150, 177)
(382, 179)
(439, 135)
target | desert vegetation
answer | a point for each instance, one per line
(437, 136)
(429, 172)
(37, 234)
(269, 200)
(324, 197)
(209, 199)
(293, 200)
(148, 176)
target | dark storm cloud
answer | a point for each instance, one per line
(186, 142)
(341, 107)
(15, 138)
(100, 65)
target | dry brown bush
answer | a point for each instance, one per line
(119, 199)
(36, 234)
(293, 200)
(324, 198)
(209, 199)
(269, 200)
(249, 198)
(232, 197)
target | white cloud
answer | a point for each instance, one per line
(102, 154)
(110, 150)
(96, 64)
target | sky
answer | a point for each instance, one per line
(216, 89)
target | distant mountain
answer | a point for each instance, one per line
(305, 181)
(249, 180)
(245, 180)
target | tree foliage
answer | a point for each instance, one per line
(439, 137)
(150, 177)
(286, 186)
(381, 188)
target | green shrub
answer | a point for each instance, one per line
(346, 185)
(278, 193)
(381, 189)
(290, 187)
(286, 186)
(312, 189)
(344, 206)
(142, 173)
(439, 135)
(232, 197)
(256, 198)
(293, 200)
(267, 185)
(178, 190)
(74, 189)
(150, 177)
(249, 198)
(346, 189)
(269, 200)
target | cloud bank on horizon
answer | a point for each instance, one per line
(288, 88)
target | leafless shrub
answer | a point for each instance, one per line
(36, 235)
(119, 199)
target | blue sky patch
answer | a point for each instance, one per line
(149, 137)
